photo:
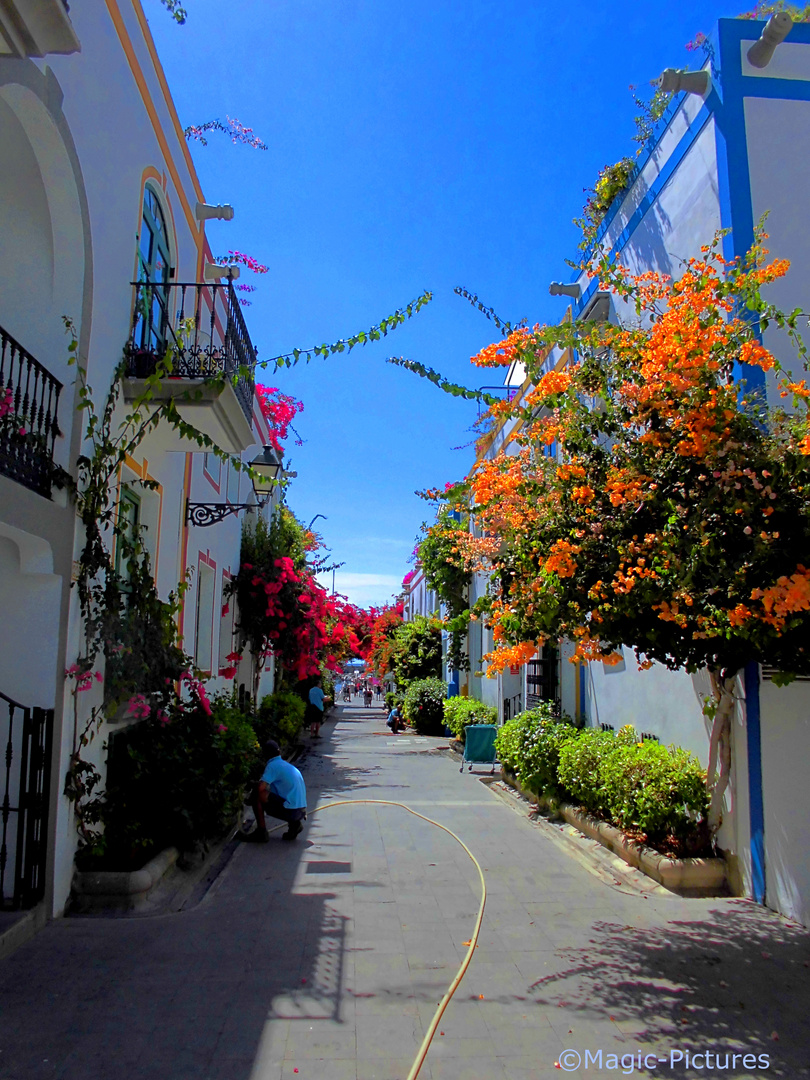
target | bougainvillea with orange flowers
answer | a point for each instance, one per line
(655, 500)
(383, 644)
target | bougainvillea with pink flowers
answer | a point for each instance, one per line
(283, 612)
(234, 129)
(279, 410)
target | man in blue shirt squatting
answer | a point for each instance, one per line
(281, 793)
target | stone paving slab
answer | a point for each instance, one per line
(329, 956)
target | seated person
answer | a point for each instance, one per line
(281, 793)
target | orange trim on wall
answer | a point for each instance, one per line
(226, 577)
(137, 73)
(183, 545)
(142, 472)
(151, 173)
(215, 484)
(206, 560)
(167, 95)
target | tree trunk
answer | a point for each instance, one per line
(718, 772)
(258, 668)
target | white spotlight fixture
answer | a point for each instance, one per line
(776, 30)
(213, 271)
(556, 288)
(221, 212)
(675, 80)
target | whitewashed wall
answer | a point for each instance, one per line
(785, 725)
(76, 158)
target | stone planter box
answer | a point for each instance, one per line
(696, 877)
(704, 877)
(96, 890)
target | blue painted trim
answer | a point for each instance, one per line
(784, 89)
(583, 675)
(453, 685)
(756, 808)
(725, 103)
(685, 144)
(647, 152)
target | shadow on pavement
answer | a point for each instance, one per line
(735, 981)
(188, 994)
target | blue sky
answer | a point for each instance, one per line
(411, 147)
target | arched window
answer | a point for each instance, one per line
(153, 269)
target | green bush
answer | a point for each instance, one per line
(641, 786)
(280, 717)
(530, 744)
(392, 699)
(459, 712)
(176, 779)
(423, 706)
(658, 790)
(418, 650)
(580, 767)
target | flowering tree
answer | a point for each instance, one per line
(349, 630)
(234, 129)
(248, 261)
(383, 639)
(176, 10)
(279, 410)
(446, 573)
(282, 611)
(655, 501)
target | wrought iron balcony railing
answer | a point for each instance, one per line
(200, 326)
(29, 400)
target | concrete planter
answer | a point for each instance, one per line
(697, 877)
(95, 890)
(548, 806)
(703, 877)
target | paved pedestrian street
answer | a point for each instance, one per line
(325, 959)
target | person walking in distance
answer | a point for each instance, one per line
(281, 793)
(315, 708)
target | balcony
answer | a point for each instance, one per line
(29, 399)
(36, 28)
(200, 328)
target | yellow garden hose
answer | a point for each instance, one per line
(431, 1031)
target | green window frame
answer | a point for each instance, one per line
(154, 266)
(129, 521)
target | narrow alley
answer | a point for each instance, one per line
(325, 960)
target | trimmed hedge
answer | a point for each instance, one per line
(530, 744)
(640, 786)
(280, 717)
(459, 712)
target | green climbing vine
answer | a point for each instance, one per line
(125, 622)
(440, 553)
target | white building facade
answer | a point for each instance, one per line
(98, 191)
(721, 159)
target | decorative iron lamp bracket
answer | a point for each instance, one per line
(203, 514)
